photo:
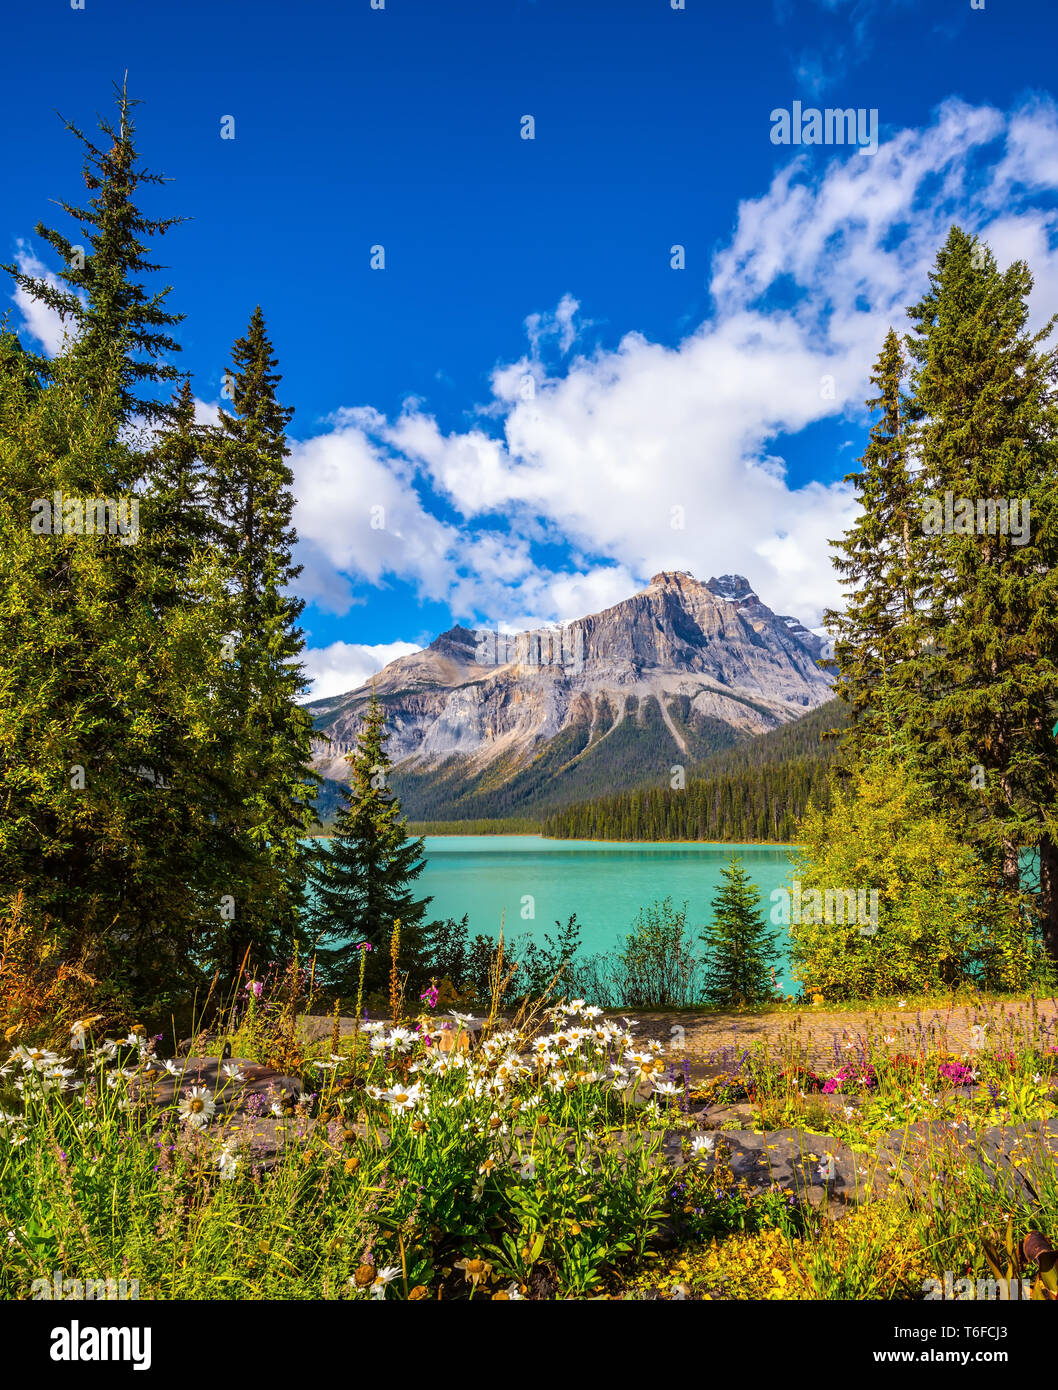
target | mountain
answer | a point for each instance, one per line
(483, 724)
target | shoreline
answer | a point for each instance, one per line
(579, 839)
(583, 840)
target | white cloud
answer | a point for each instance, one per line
(558, 325)
(207, 412)
(345, 665)
(647, 457)
(38, 320)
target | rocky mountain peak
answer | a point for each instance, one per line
(480, 720)
(732, 588)
(675, 579)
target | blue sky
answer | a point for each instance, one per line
(679, 418)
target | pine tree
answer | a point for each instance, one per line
(268, 735)
(119, 331)
(741, 948)
(985, 425)
(363, 884)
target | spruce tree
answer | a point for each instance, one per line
(107, 701)
(120, 332)
(267, 735)
(741, 947)
(985, 423)
(363, 884)
(107, 684)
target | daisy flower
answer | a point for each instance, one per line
(401, 1099)
(383, 1279)
(197, 1108)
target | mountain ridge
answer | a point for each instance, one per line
(486, 723)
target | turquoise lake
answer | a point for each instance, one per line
(604, 882)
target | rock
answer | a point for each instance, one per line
(255, 1093)
(717, 1116)
(814, 1168)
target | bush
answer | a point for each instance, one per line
(943, 919)
(656, 970)
(44, 987)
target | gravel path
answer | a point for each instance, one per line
(817, 1036)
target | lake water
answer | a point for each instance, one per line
(604, 882)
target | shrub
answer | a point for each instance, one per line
(943, 920)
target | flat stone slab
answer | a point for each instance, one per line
(253, 1094)
(815, 1168)
(922, 1156)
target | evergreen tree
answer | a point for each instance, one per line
(741, 948)
(363, 884)
(942, 916)
(985, 421)
(267, 741)
(119, 331)
(107, 701)
(879, 559)
(107, 684)
(177, 482)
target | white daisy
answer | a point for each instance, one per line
(404, 1098)
(197, 1108)
(383, 1279)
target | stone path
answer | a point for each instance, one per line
(815, 1168)
(814, 1036)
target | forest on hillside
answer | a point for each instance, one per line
(758, 790)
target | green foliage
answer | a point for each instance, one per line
(942, 919)
(431, 1191)
(445, 951)
(948, 648)
(540, 962)
(656, 968)
(740, 948)
(264, 736)
(118, 336)
(108, 775)
(755, 791)
(880, 559)
(361, 881)
(508, 825)
(985, 416)
(146, 773)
